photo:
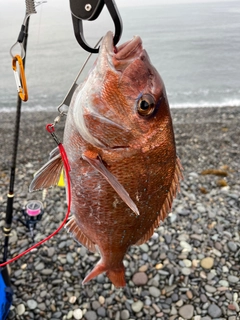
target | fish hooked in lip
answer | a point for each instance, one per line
(120, 145)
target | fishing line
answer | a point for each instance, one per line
(50, 129)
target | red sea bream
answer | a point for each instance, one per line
(120, 145)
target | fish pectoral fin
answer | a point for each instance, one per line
(112, 180)
(73, 228)
(166, 207)
(49, 174)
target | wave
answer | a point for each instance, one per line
(37, 108)
(200, 104)
(207, 104)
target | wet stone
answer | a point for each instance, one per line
(57, 315)
(173, 218)
(46, 272)
(207, 263)
(125, 314)
(210, 289)
(144, 247)
(186, 246)
(224, 283)
(137, 306)
(175, 297)
(90, 315)
(101, 312)
(186, 311)
(32, 304)
(201, 209)
(40, 266)
(216, 252)
(140, 278)
(77, 314)
(70, 259)
(214, 311)
(186, 271)
(155, 292)
(18, 273)
(168, 238)
(233, 279)
(72, 299)
(20, 309)
(101, 278)
(95, 305)
(232, 246)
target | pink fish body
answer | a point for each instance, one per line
(120, 145)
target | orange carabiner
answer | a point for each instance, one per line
(20, 82)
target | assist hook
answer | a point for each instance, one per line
(90, 10)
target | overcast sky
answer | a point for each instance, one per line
(119, 3)
(152, 2)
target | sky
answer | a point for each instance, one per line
(120, 3)
(152, 2)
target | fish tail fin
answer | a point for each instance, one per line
(117, 275)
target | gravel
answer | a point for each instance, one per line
(189, 269)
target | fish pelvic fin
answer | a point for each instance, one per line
(116, 275)
(73, 228)
(167, 204)
(48, 176)
(97, 164)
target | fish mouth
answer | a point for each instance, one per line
(124, 53)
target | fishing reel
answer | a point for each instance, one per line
(32, 213)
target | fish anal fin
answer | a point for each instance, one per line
(115, 275)
(97, 163)
(166, 207)
(98, 269)
(73, 228)
(48, 176)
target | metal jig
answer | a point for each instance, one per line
(90, 10)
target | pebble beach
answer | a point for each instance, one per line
(189, 269)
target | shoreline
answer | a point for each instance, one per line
(190, 267)
(172, 107)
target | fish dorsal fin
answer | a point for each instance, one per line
(73, 228)
(174, 188)
(112, 180)
(48, 176)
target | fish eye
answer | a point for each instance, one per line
(146, 105)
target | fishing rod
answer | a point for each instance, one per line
(6, 294)
(22, 96)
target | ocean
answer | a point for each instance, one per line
(195, 48)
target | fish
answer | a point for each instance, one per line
(124, 170)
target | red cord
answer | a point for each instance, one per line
(67, 169)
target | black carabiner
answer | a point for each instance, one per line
(90, 10)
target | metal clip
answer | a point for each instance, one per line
(30, 9)
(20, 81)
(66, 101)
(90, 10)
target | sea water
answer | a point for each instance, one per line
(195, 47)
